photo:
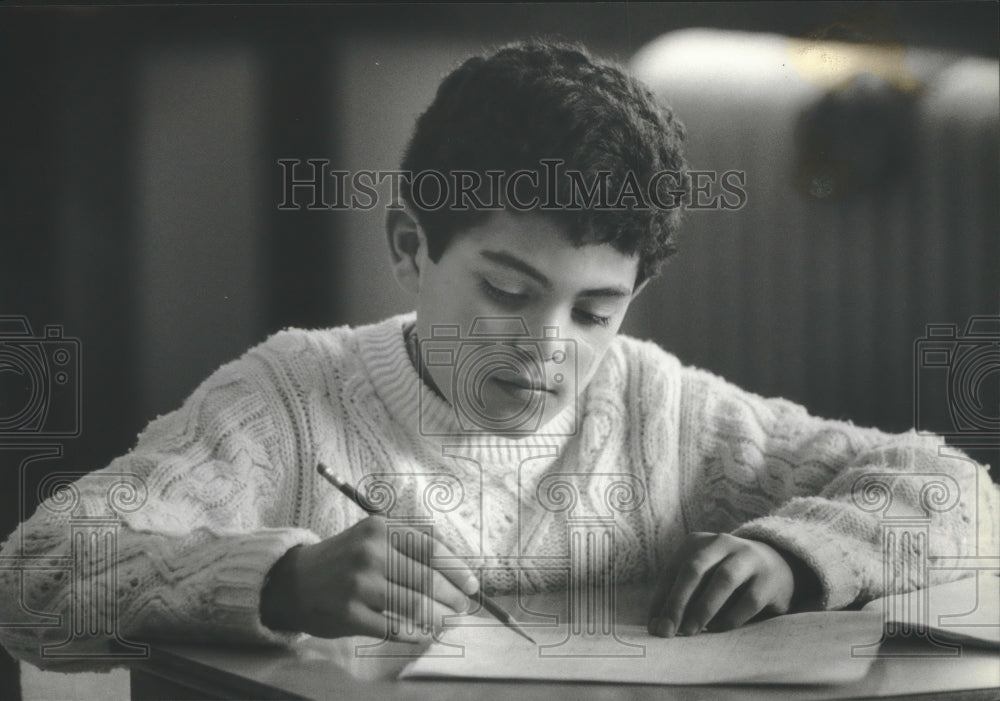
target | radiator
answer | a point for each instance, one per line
(871, 180)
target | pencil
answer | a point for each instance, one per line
(487, 603)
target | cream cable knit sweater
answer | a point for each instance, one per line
(215, 492)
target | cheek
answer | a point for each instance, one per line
(589, 353)
(448, 300)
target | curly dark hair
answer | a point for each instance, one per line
(537, 100)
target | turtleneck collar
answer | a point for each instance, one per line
(418, 407)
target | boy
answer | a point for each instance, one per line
(504, 410)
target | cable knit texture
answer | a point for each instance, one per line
(215, 492)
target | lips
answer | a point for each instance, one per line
(522, 384)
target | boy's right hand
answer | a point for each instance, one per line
(340, 586)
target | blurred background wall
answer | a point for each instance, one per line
(139, 206)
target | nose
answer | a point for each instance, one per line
(550, 334)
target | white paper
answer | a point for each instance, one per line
(805, 648)
(965, 611)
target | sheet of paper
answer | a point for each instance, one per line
(965, 611)
(806, 648)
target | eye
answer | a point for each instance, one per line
(588, 319)
(502, 296)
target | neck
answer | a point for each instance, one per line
(391, 353)
(412, 342)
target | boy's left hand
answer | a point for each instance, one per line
(719, 581)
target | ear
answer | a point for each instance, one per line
(407, 248)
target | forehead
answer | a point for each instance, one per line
(543, 242)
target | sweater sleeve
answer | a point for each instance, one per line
(870, 513)
(170, 541)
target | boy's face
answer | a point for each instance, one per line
(509, 269)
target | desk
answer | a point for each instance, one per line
(192, 672)
(330, 669)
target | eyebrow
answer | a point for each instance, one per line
(514, 263)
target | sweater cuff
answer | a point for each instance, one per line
(238, 577)
(823, 552)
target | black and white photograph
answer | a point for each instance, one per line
(576, 350)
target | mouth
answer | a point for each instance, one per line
(518, 384)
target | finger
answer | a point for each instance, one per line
(716, 589)
(429, 548)
(414, 570)
(748, 602)
(376, 592)
(659, 597)
(454, 569)
(414, 613)
(689, 577)
(402, 629)
(413, 574)
(658, 600)
(418, 578)
(364, 621)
